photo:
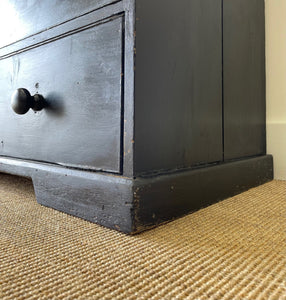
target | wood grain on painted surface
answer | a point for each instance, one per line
(178, 84)
(244, 78)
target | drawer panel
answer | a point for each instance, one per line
(22, 18)
(80, 75)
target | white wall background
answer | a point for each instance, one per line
(276, 84)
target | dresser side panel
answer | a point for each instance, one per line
(178, 84)
(244, 78)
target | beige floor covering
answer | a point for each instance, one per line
(235, 249)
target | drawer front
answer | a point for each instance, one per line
(22, 18)
(80, 75)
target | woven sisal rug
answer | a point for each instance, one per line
(235, 249)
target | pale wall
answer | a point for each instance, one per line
(276, 83)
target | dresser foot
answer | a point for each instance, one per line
(134, 205)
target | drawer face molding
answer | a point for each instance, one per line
(24, 18)
(80, 75)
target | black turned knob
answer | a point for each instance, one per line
(22, 101)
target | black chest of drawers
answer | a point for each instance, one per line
(151, 108)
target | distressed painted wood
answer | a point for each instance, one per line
(81, 79)
(134, 205)
(153, 107)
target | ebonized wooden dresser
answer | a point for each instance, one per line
(129, 113)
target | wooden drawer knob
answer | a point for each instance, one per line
(22, 101)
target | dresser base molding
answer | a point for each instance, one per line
(133, 205)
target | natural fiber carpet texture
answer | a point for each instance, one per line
(235, 249)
